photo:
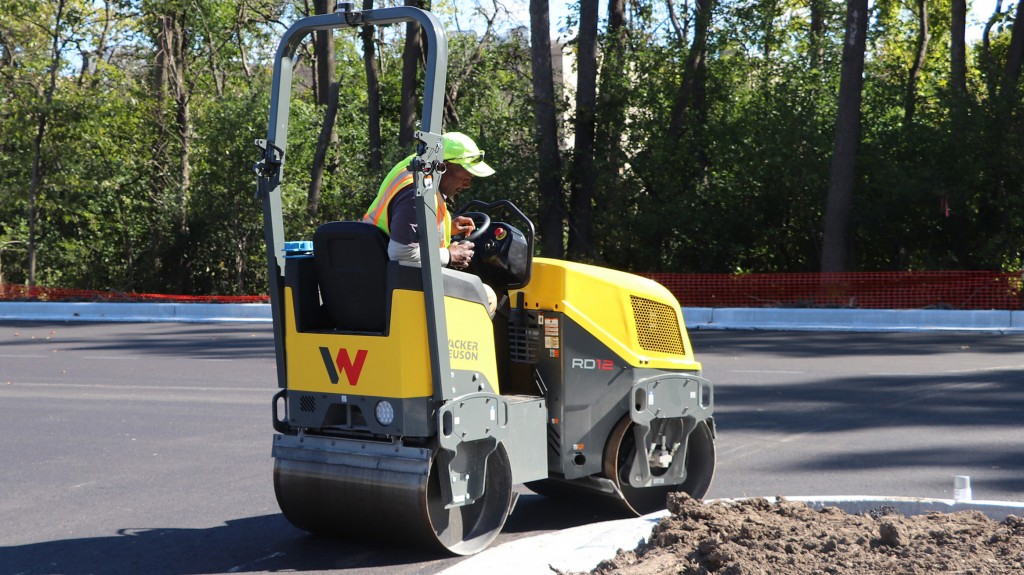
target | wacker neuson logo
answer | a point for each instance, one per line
(343, 363)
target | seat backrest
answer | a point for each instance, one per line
(351, 267)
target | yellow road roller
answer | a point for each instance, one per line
(407, 412)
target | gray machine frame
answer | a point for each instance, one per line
(471, 421)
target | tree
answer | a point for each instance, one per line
(1014, 57)
(410, 68)
(549, 182)
(988, 61)
(614, 90)
(923, 37)
(327, 97)
(691, 94)
(715, 136)
(958, 51)
(55, 27)
(372, 92)
(584, 177)
(816, 34)
(843, 177)
(172, 63)
(323, 54)
(327, 136)
(460, 71)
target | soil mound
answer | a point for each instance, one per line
(760, 537)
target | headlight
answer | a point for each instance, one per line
(384, 412)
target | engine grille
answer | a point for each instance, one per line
(523, 337)
(657, 326)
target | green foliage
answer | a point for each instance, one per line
(230, 239)
(496, 109)
(741, 188)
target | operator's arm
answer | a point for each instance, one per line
(404, 244)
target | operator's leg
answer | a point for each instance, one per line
(492, 300)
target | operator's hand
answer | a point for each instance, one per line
(462, 226)
(460, 255)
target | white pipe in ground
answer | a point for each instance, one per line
(962, 488)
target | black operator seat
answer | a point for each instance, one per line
(356, 277)
(351, 261)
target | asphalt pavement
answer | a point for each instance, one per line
(144, 447)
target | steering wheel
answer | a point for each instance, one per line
(482, 222)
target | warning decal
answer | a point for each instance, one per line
(551, 336)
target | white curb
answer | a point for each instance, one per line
(866, 320)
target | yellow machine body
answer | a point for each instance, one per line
(407, 412)
(638, 319)
(577, 367)
(395, 365)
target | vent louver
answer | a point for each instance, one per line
(307, 403)
(657, 326)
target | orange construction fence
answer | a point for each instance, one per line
(864, 290)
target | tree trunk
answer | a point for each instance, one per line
(243, 55)
(549, 169)
(1011, 72)
(615, 86)
(33, 193)
(90, 58)
(316, 178)
(924, 35)
(326, 95)
(584, 178)
(612, 102)
(183, 123)
(691, 95)
(986, 51)
(816, 37)
(372, 92)
(842, 180)
(958, 51)
(158, 179)
(172, 68)
(410, 67)
(42, 119)
(681, 30)
(323, 48)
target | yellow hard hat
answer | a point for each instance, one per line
(461, 149)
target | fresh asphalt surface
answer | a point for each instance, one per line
(145, 447)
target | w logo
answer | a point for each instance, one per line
(344, 364)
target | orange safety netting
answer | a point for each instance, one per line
(864, 290)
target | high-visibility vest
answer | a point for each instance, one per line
(398, 180)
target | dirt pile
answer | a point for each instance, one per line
(758, 537)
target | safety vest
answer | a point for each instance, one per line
(398, 180)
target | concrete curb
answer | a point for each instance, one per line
(800, 319)
(135, 312)
(806, 319)
(996, 510)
